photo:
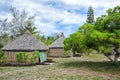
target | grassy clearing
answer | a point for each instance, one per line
(106, 67)
(92, 67)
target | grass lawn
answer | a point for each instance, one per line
(92, 67)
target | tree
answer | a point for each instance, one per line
(103, 36)
(90, 15)
(111, 24)
(75, 43)
(21, 22)
(99, 22)
(49, 39)
(4, 32)
(79, 42)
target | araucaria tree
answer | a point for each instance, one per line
(103, 36)
(90, 15)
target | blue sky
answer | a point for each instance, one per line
(56, 16)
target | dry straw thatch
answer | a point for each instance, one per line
(25, 42)
(58, 43)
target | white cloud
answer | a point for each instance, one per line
(47, 15)
(4, 15)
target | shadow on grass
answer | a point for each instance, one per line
(94, 66)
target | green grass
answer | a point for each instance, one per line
(92, 67)
(95, 66)
(97, 78)
(118, 78)
(1, 69)
(67, 77)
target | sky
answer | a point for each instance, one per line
(56, 16)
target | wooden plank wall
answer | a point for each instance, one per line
(11, 57)
(56, 52)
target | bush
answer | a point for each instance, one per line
(66, 53)
(25, 57)
(1, 45)
(2, 57)
(35, 56)
(21, 57)
(1, 54)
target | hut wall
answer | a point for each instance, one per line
(56, 52)
(11, 57)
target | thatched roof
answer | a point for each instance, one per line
(58, 43)
(25, 42)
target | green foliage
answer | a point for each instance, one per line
(86, 28)
(34, 57)
(1, 54)
(66, 53)
(99, 22)
(19, 23)
(25, 56)
(32, 60)
(21, 57)
(105, 50)
(1, 45)
(49, 39)
(4, 38)
(36, 54)
(74, 42)
(101, 36)
(2, 57)
(80, 41)
(97, 78)
(109, 22)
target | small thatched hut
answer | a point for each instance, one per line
(56, 48)
(25, 43)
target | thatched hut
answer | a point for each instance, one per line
(25, 43)
(56, 48)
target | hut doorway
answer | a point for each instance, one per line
(42, 57)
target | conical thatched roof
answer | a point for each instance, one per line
(25, 42)
(59, 42)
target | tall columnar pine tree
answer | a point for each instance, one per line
(90, 15)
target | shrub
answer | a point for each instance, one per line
(25, 57)
(35, 56)
(1, 45)
(1, 54)
(21, 57)
(67, 53)
(2, 57)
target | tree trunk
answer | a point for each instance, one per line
(116, 59)
(73, 52)
(111, 60)
(116, 55)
